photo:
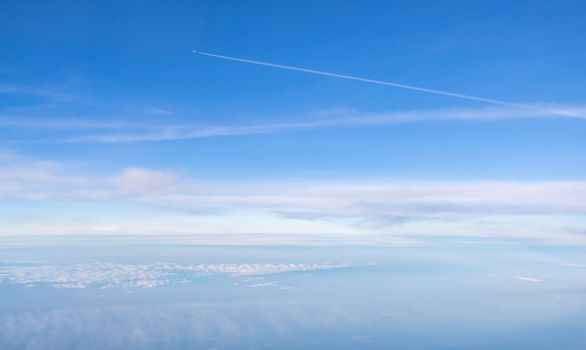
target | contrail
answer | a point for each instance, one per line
(392, 84)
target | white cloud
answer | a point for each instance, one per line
(60, 124)
(572, 265)
(106, 228)
(26, 179)
(166, 202)
(529, 279)
(111, 275)
(338, 118)
(139, 181)
(128, 130)
(262, 284)
(55, 93)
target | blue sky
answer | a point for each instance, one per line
(110, 124)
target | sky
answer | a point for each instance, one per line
(110, 124)
(153, 197)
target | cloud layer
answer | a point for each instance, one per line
(111, 275)
(166, 202)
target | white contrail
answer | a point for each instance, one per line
(392, 84)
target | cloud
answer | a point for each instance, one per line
(53, 93)
(151, 128)
(59, 124)
(29, 179)
(345, 118)
(112, 275)
(157, 110)
(573, 265)
(529, 279)
(138, 181)
(106, 228)
(262, 284)
(395, 322)
(173, 203)
(22, 178)
(173, 325)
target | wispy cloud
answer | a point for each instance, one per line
(537, 210)
(46, 180)
(67, 123)
(573, 265)
(22, 178)
(152, 129)
(339, 118)
(232, 324)
(529, 279)
(52, 93)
